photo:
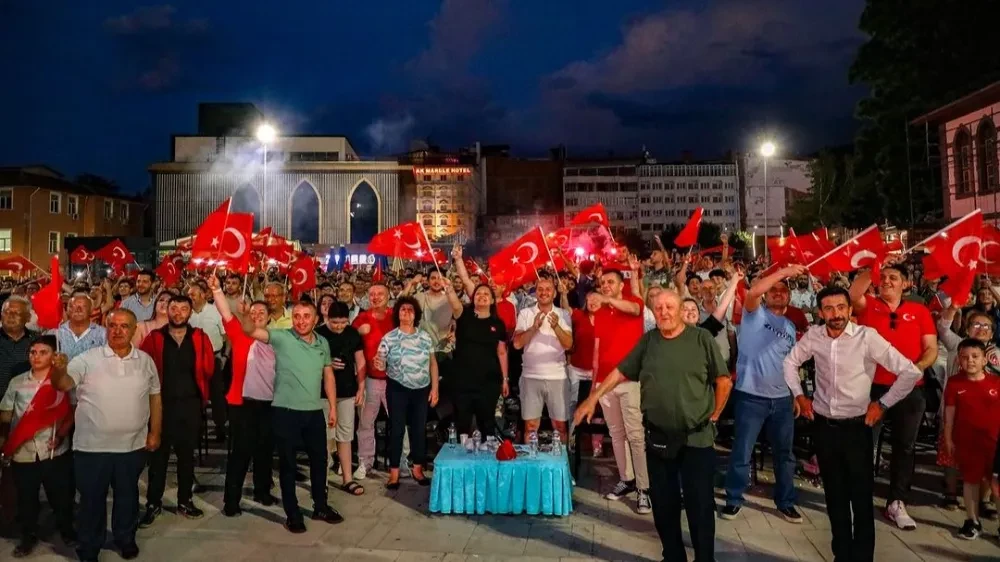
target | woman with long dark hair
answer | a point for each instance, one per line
(406, 354)
(479, 366)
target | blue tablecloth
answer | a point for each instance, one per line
(479, 483)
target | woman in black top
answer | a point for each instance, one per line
(479, 365)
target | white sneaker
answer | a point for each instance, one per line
(360, 473)
(896, 512)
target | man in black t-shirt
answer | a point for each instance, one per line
(348, 356)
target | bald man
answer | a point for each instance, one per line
(680, 370)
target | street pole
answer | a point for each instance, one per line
(766, 250)
(263, 193)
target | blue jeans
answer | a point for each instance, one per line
(750, 413)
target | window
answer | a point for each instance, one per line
(73, 205)
(460, 177)
(6, 199)
(6, 237)
(109, 209)
(71, 235)
(427, 192)
(55, 203)
(427, 177)
(459, 221)
(658, 199)
(428, 221)
(443, 177)
(986, 149)
(53, 242)
(963, 162)
(717, 213)
(124, 213)
(427, 206)
(443, 221)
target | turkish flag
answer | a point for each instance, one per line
(282, 253)
(894, 245)
(592, 214)
(17, 265)
(262, 238)
(782, 252)
(560, 238)
(406, 241)
(867, 249)
(955, 252)
(813, 245)
(80, 256)
(47, 408)
(517, 263)
(225, 237)
(47, 302)
(169, 270)
(689, 235)
(116, 255)
(378, 275)
(989, 253)
(302, 274)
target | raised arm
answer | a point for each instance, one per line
(463, 274)
(59, 375)
(948, 337)
(456, 304)
(859, 288)
(221, 302)
(762, 286)
(729, 295)
(680, 280)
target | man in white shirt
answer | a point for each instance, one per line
(118, 419)
(207, 317)
(544, 332)
(846, 355)
(142, 302)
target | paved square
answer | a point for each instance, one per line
(384, 526)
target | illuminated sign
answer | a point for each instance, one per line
(442, 170)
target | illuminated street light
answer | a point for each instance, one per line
(266, 133)
(767, 149)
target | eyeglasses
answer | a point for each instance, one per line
(981, 325)
(892, 320)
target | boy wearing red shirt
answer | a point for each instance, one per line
(971, 425)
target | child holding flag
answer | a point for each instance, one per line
(38, 446)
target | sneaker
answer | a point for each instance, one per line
(791, 514)
(189, 510)
(296, 527)
(129, 551)
(232, 511)
(643, 505)
(896, 512)
(971, 530)
(266, 501)
(622, 489)
(152, 512)
(730, 512)
(25, 547)
(327, 515)
(950, 503)
(360, 473)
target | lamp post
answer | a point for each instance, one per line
(265, 135)
(766, 151)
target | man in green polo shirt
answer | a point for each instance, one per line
(302, 364)
(683, 387)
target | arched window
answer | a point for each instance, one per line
(427, 192)
(443, 221)
(428, 221)
(986, 155)
(442, 205)
(963, 162)
(427, 206)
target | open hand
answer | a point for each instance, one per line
(553, 320)
(874, 414)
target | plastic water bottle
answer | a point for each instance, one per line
(452, 436)
(556, 443)
(477, 438)
(533, 443)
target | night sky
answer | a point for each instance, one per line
(99, 87)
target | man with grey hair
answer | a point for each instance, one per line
(78, 334)
(15, 338)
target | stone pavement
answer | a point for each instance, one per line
(383, 526)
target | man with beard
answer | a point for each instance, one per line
(232, 289)
(185, 364)
(844, 413)
(79, 333)
(345, 294)
(436, 319)
(141, 303)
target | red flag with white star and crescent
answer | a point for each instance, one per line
(519, 262)
(225, 237)
(405, 241)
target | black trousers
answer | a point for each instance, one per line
(294, 429)
(694, 468)
(481, 403)
(218, 386)
(251, 433)
(181, 425)
(57, 477)
(905, 418)
(408, 409)
(843, 450)
(95, 473)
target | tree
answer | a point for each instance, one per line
(920, 54)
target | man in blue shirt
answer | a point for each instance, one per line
(761, 393)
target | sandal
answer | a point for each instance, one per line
(353, 488)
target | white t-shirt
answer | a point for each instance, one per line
(544, 357)
(112, 392)
(210, 322)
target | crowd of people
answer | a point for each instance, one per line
(663, 345)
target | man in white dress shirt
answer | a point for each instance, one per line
(846, 355)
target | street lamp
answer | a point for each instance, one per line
(266, 134)
(766, 151)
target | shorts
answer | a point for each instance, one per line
(538, 393)
(976, 460)
(343, 432)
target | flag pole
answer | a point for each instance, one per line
(548, 251)
(938, 233)
(222, 237)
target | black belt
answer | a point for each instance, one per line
(835, 422)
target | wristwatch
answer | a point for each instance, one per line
(882, 405)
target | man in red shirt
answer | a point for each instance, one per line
(908, 326)
(372, 324)
(617, 328)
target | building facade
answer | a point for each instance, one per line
(40, 209)
(446, 188)
(786, 179)
(967, 146)
(669, 194)
(313, 189)
(520, 194)
(615, 183)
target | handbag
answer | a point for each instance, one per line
(668, 444)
